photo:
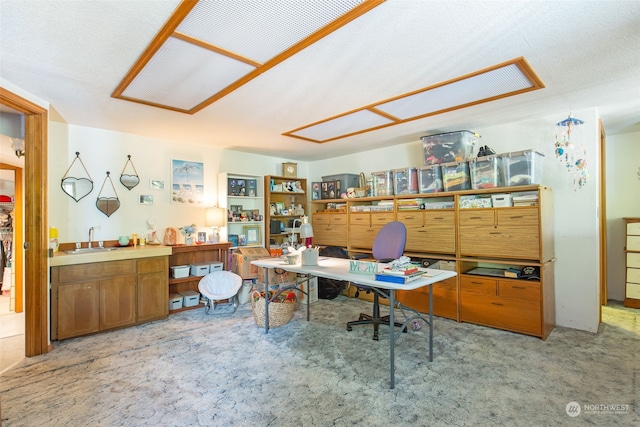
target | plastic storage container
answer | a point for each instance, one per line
(180, 271)
(200, 269)
(347, 180)
(190, 298)
(175, 301)
(456, 176)
(486, 172)
(405, 181)
(522, 167)
(430, 179)
(382, 183)
(448, 147)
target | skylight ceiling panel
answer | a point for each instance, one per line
(182, 75)
(494, 83)
(341, 126)
(260, 29)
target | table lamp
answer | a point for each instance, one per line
(215, 218)
(306, 231)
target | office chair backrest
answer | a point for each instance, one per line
(390, 240)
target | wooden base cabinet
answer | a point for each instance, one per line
(100, 296)
(522, 306)
(330, 229)
(445, 299)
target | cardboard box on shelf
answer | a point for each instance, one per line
(242, 258)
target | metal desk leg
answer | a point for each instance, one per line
(266, 301)
(431, 322)
(391, 338)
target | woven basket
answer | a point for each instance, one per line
(280, 313)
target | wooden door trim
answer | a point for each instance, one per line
(36, 271)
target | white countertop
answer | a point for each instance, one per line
(62, 258)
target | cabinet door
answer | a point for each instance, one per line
(153, 297)
(416, 231)
(330, 229)
(361, 236)
(117, 302)
(78, 308)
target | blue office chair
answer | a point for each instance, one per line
(387, 246)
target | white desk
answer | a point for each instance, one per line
(338, 269)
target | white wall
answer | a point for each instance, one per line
(576, 211)
(623, 188)
(103, 150)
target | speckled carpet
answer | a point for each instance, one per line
(197, 370)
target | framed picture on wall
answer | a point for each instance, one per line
(156, 184)
(145, 199)
(187, 182)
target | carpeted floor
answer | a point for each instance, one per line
(197, 370)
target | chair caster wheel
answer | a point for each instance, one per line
(375, 337)
(349, 328)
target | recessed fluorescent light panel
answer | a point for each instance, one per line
(209, 48)
(500, 81)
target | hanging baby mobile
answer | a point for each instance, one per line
(565, 149)
(108, 204)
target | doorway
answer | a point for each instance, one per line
(33, 238)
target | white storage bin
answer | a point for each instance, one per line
(215, 266)
(522, 167)
(501, 200)
(200, 269)
(180, 271)
(175, 301)
(190, 298)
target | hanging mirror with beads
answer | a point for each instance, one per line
(129, 180)
(110, 203)
(77, 188)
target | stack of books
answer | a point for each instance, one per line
(405, 275)
(408, 204)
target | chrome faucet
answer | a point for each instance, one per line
(90, 237)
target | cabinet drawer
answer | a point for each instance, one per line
(443, 218)
(474, 218)
(330, 235)
(478, 285)
(633, 228)
(520, 290)
(633, 260)
(96, 270)
(633, 275)
(511, 314)
(361, 236)
(381, 218)
(633, 290)
(500, 241)
(445, 299)
(319, 219)
(411, 219)
(153, 265)
(633, 243)
(329, 219)
(518, 217)
(360, 218)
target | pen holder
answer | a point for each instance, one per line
(310, 257)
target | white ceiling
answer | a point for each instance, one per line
(73, 54)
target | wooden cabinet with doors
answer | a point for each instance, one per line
(93, 297)
(152, 294)
(330, 229)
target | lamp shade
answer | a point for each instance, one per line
(215, 217)
(306, 230)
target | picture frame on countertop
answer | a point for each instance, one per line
(279, 207)
(202, 237)
(145, 199)
(252, 234)
(156, 184)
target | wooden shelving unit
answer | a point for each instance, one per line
(195, 254)
(289, 205)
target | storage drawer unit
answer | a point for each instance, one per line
(632, 249)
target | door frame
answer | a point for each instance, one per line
(36, 236)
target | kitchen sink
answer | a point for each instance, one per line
(89, 250)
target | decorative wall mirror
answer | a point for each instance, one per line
(108, 205)
(129, 180)
(77, 188)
